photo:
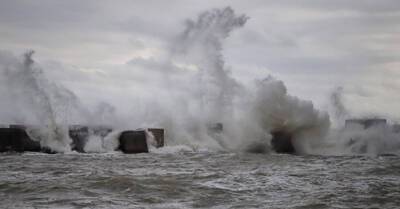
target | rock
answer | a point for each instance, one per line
(133, 142)
(158, 134)
(282, 142)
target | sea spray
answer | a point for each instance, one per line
(340, 112)
(29, 90)
(275, 110)
(200, 45)
(53, 134)
(248, 116)
(356, 139)
(204, 94)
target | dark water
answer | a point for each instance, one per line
(197, 180)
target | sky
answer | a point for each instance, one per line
(109, 47)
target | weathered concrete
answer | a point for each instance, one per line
(158, 134)
(79, 135)
(133, 142)
(16, 139)
(282, 142)
(5, 139)
(25, 141)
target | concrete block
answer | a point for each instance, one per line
(22, 142)
(16, 139)
(282, 142)
(79, 135)
(5, 140)
(133, 142)
(158, 134)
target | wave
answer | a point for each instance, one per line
(206, 109)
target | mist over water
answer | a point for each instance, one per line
(194, 91)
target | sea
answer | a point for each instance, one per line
(181, 178)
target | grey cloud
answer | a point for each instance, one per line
(155, 65)
(371, 6)
(45, 14)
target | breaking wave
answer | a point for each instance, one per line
(207, 109)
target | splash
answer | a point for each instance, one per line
(340, 112)
(248, 116)
(201, 45)
(251, 114)
(275, 110)
(357, 138)
(31, 99)
(202, 107)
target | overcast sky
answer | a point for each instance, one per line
(313, 46)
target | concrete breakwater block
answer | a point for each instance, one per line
(29, 144)
(282, 142)
(158, 134)
(26, 142)
(79, 135)
(133, 142)
(16, 139)
(6, 136)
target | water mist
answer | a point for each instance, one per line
(200, 105)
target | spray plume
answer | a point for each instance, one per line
(36, 102)
(190, 108)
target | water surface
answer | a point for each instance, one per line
(198, 180)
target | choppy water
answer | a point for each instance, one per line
(197, 180)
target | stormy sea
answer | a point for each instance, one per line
(228, 143)
(178, 178)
